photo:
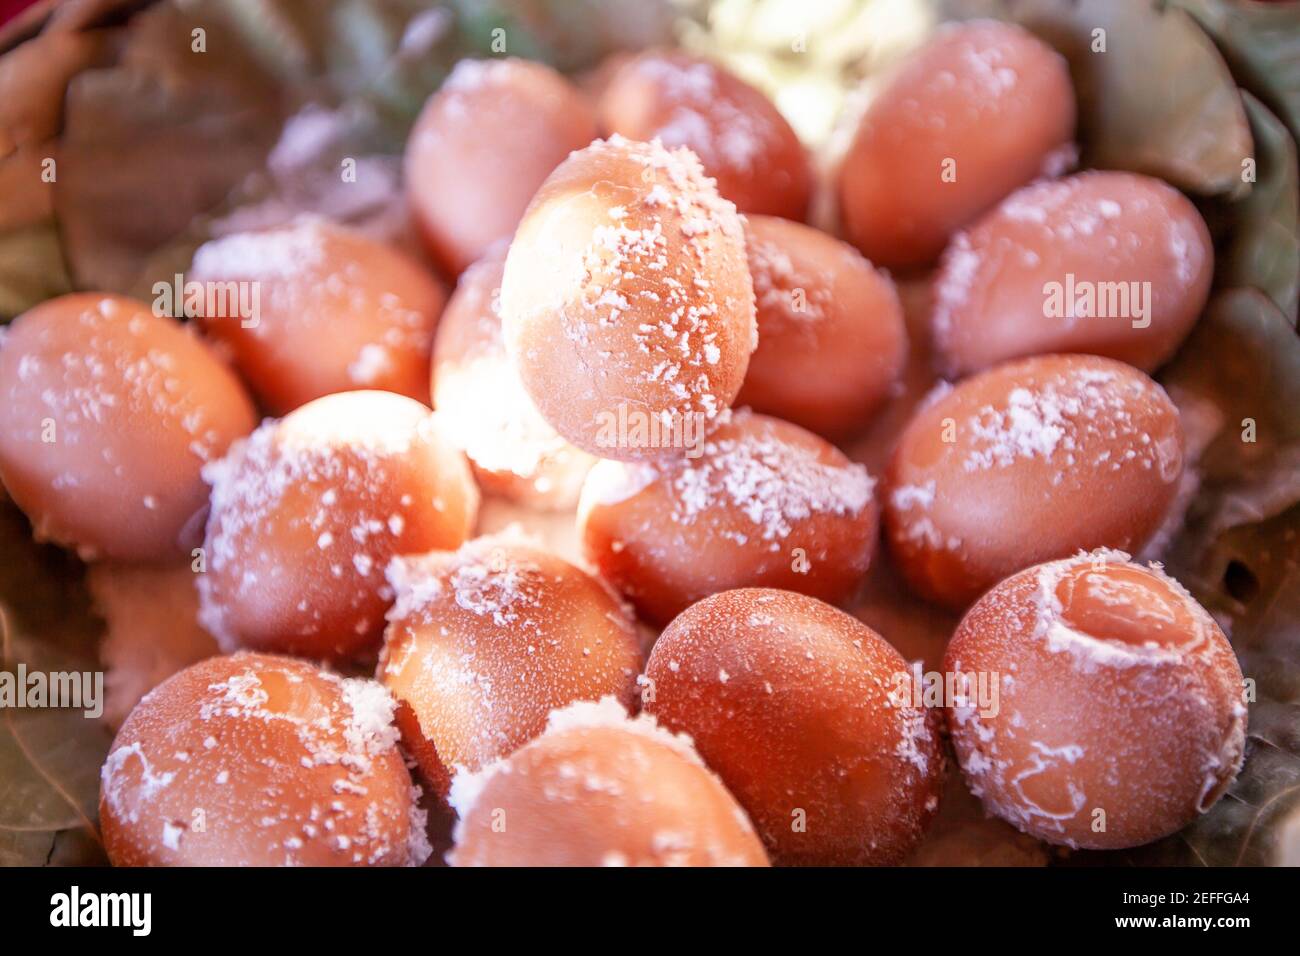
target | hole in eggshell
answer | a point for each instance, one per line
(1240, 582)
(1129, 605)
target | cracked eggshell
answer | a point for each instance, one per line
(1119, 713)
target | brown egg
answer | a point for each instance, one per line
(736, 131)
(1106, 263)
(831, 341)
(1027, 462)
(308, 511)
(481, 147)
(485, 641)
(257, 760)
(482, 401)
(794, 705)
(319, 309)
(980, 110)
(107, 417)
(762, 503)
(1118, 715)
(626, 300)
(598, 789)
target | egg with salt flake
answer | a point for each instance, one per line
(308, 511)
(983, 108)
(759, 502)
(478, 393)
(796, 706)
(327, 310)
(109, 413)
(484, 642)
(741, 138)
(258, 760)
(626, 300)
(1107, 263)
(1029, 461)
(600, 789)
(481, 147)
(831, 340)
(1120, 714)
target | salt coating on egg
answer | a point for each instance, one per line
(482, 146)
(796, 706)
(626, 301)
(764, 503)
(308, 511)
(488, 414)
(598, 788)
(923, 161)
(741, 139)
(1121, 712)
(257, 760)
(108, 414)
(319, 308)
(831, 340)
(1029, 461)
(484, 642)
(1107, 263)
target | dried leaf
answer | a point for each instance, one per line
(49, 758)
(1261, 42)
(1159, 100)
(1263, 249)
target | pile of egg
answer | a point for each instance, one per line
(632, 329)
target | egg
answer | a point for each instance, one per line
(626, 301)
(481, 147)
(484, 642)
(1027, 462)
(831, 340)
(983, 108)
(1119, 713)
(308, 511)
(109, 413)
(258, 760)
(1107, 263)
(803, 712)
(317, 309)
(758, 503)
(737, 132)
(478, 393)
(598, 789)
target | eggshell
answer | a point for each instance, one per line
(108, 414)
(479, 395)
(831, 341)
(1107, 263)
(308, 511)
(482, 146)
(598, 789)
(737, 132)
(765, 504)
(626, 298)
(1029, 461)
(983, 108)
(484, 642)
(332, 311)
(1119, 716)
(794, 705)
(257, 760)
